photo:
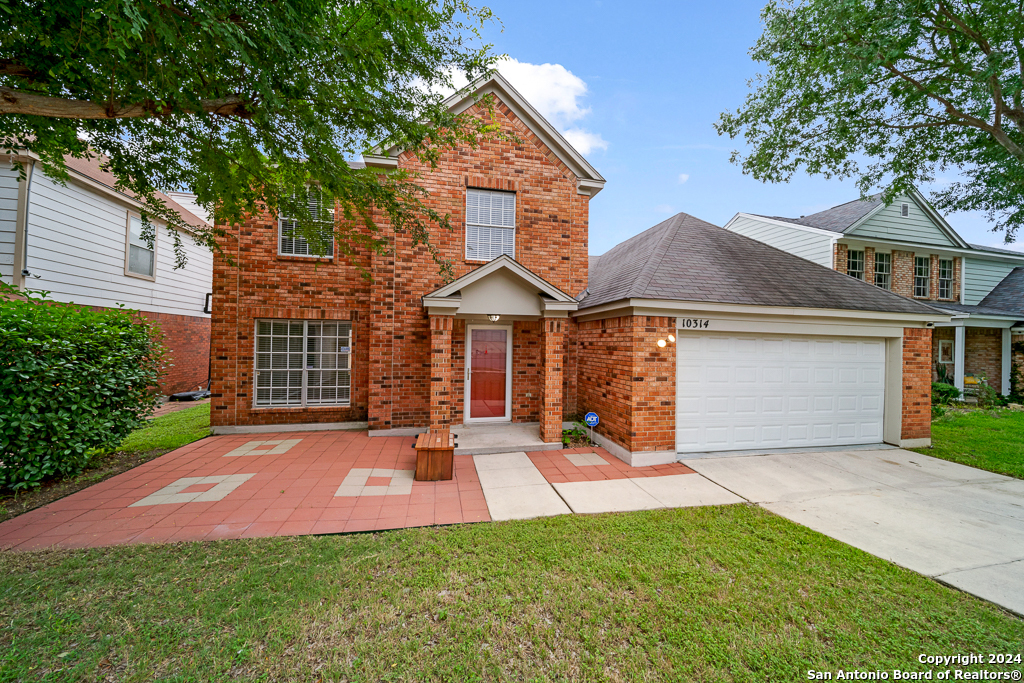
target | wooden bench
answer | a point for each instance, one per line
(435, 452)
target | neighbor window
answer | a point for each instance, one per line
(945, 278)
(855, 264)
(922, 276)
(303, 363)
(883, 270)
(946, 351)
(141, 256)
(291, 243)
(490, 224)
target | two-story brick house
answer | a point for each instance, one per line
(908, 248)
(530, 331)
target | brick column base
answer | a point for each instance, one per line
(440, 371)
(551, 408)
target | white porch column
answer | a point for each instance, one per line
(958, 357)
(1006, 357)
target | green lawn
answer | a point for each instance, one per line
(710, 594)
(989, 440)
(170, 431)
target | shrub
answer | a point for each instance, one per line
(987, 396)
(72, 380)
(944, 394)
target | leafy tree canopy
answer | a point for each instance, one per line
(244, 102)
(892, 92)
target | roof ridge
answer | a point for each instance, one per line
(652, 264)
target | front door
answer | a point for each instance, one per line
(489, 389)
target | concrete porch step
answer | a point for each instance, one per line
(503, 437)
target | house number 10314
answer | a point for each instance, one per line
(694, 323)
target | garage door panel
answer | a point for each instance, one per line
(744, 391)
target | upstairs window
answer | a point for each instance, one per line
(855, 264)
(140, 259)
(922, 276)
(291, 243)
(490, 224)
(303, 363)
(883, 270)
(945, 278)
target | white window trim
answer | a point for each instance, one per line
(514, 227)
(305, 370)
(944, 343)
(280, 239)
(863, 263)
(927, 278)
(950, 279)
(128, 247)
(888, 273)
(467, 404)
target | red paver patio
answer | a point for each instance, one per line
(282, 484)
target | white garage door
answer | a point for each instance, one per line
(739, 392)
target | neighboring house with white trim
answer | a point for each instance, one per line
(81, 242)
(908, 247)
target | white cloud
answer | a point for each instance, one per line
(664, 208)
(557, 94)
(683, 177)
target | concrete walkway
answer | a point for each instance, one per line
(960, 525)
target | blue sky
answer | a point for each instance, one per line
(637, 86)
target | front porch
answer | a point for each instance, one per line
(974, 349)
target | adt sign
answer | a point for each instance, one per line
(591, 419)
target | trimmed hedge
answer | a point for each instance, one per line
(944, 394)
(72, 380)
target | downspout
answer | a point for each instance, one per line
(25, 274)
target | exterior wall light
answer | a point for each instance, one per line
(493, 318)
(672, 338)
(661, 343)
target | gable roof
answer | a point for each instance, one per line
(589, 181)
(687, 259)
(845, 218)
(1008, 295)
(92, 170)
(555, 299)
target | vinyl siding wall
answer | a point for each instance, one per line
(890, 224)
(8, 219)
(76, 247)
(981, 276)
(803, 243)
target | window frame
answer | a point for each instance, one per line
(849, 259)
(304, 403)
(128, 247)
(887, 272)
(948, 281)
(905, 210)
(926, 279)
(946, 344)
(513, 227)
(281, 219)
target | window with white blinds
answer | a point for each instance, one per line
(490, 224)
(303, 363)
(141, 253)
(291, 243)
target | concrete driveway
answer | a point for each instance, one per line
(960, 525)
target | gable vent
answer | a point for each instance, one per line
(905, 210)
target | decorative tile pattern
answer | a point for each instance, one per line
(355, 483)
(278, 446)
(176, 493)
(585, 459)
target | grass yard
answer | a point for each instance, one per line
(711, 594)
(160, 435)
(989, 440)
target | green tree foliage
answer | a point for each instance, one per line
(245, 102)
(892, 92)
(72, 380)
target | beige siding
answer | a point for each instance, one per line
(8, 219)
(76, 251)
(812, 246)
(890, 224)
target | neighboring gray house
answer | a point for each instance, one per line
(910, 249)
(80, 242)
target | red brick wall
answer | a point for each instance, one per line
(903, 272)
(187, 338)
(1018, 360)
(917, 387)
(983, 355)
(527, 370)
(628, 380)
(391, 359)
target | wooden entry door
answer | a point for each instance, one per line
(489, 394)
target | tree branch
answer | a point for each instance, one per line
(13, 101)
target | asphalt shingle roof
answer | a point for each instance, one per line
(1008, 295)
(687, 259)
(837, 219)
(979, 309)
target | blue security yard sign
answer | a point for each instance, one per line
(591, 419)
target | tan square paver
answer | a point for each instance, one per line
(355, 483)
(279, 446)
(175, 493)
(585, 459)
